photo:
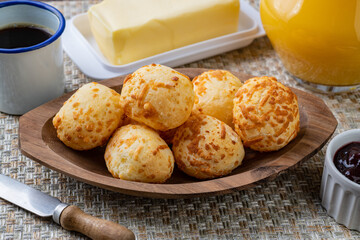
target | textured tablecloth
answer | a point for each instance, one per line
(285, 208)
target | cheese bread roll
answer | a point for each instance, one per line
(137, 153)
(205, 147)
(266, 114)
(158, 96)
(89, 117)
(214, 94)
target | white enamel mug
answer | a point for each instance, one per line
(31, 76)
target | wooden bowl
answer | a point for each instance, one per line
(38, 141)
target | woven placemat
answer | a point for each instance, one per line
(285, 208)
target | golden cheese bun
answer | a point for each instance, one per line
(214, 94)
(266, 114)
(205, 147)
(137, 153)
(89, 117)
(158, 96)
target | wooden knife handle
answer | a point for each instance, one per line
(74, 219)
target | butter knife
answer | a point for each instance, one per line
(69, 217)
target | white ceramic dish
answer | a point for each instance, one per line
(340, 196)
(80, 45)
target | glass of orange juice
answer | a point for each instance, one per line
(318, 41)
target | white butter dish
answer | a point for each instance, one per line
(80, 45)
(340, 196)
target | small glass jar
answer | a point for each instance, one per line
(318, 41)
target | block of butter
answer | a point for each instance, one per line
(130, 30)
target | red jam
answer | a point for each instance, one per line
(347, 161)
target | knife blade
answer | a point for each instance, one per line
(69, 217)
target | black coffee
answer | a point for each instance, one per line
(22, 36)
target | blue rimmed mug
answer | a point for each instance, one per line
(31, 76)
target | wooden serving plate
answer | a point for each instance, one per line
(38, 141)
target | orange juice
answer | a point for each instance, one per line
(317, 40)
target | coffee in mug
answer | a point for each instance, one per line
(23, 35)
